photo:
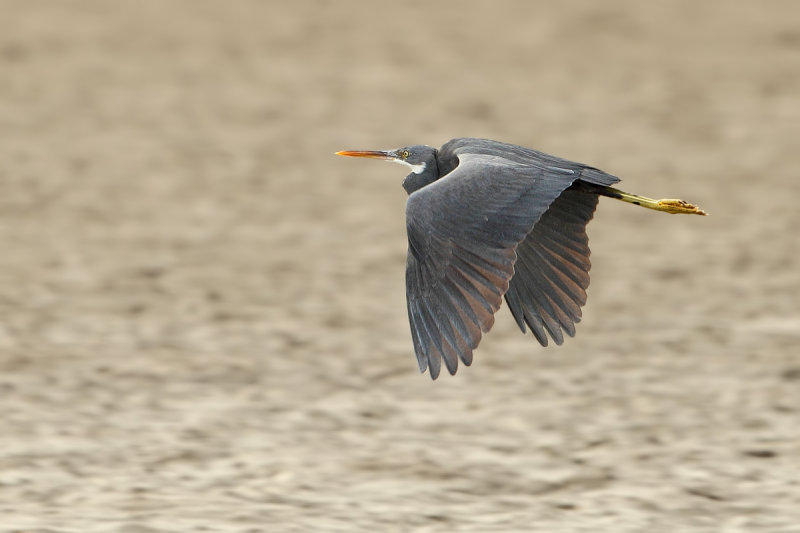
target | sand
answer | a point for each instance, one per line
(202, 311)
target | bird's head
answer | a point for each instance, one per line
(420, 158)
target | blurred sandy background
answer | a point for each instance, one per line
(202, 316)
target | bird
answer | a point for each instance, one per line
(486, 221)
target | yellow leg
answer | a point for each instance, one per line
(666, 205)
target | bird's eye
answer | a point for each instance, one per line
(405, 154)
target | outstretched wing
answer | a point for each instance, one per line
(463, 233)
(552, 268)
(527, 157)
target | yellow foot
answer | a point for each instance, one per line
(679, 207)
(667, 205)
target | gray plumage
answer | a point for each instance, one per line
(488, 220)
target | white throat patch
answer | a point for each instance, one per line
(416, 169)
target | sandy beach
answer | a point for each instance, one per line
(202, 310)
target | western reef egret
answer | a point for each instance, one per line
(488, 220)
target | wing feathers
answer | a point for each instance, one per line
(552, 269)
(464, 230)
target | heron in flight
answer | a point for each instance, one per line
(487, 220)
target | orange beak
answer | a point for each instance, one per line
(374, 154)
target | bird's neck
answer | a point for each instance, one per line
(423, 175)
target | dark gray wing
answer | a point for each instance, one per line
(552, 268)
(463, 231)
(525, 156)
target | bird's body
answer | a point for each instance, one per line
(488, 220)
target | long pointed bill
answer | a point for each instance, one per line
(373, 154)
